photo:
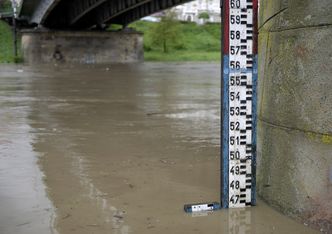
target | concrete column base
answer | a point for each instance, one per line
(82, 47)
(294, 156)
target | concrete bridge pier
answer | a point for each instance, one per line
(82, 47)
(295, 103)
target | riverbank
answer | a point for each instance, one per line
(6, 44)
(193, 43)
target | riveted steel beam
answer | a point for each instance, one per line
(43, 10)
(84, 14)
(124, 11)
(117, 8)
(79, 8)
(143, 10)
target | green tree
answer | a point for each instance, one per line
(5, 6)
(166, 32)
(204, 16)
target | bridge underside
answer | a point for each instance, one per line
(85, 14)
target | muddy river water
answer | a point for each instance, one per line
(116, 149)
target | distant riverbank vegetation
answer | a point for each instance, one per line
(7, 44)
(6, 37)
(170, 40)
(5, 6)
(167, 40)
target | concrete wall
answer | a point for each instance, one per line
(295, 109)
(82, 47)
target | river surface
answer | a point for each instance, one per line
(117, 149)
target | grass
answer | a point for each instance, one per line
(6, 44)
(181, 56)
(196, 43)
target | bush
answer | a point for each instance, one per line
(166, 33)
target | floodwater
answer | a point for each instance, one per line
(116, 149)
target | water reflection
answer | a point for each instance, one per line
(240, 221)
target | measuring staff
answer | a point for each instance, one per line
(238, 107)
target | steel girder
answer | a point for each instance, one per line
(79, 8)
(43, 10)
(146, 9)
(124, 11)
(85, 14)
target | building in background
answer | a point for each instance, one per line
(191, 11)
